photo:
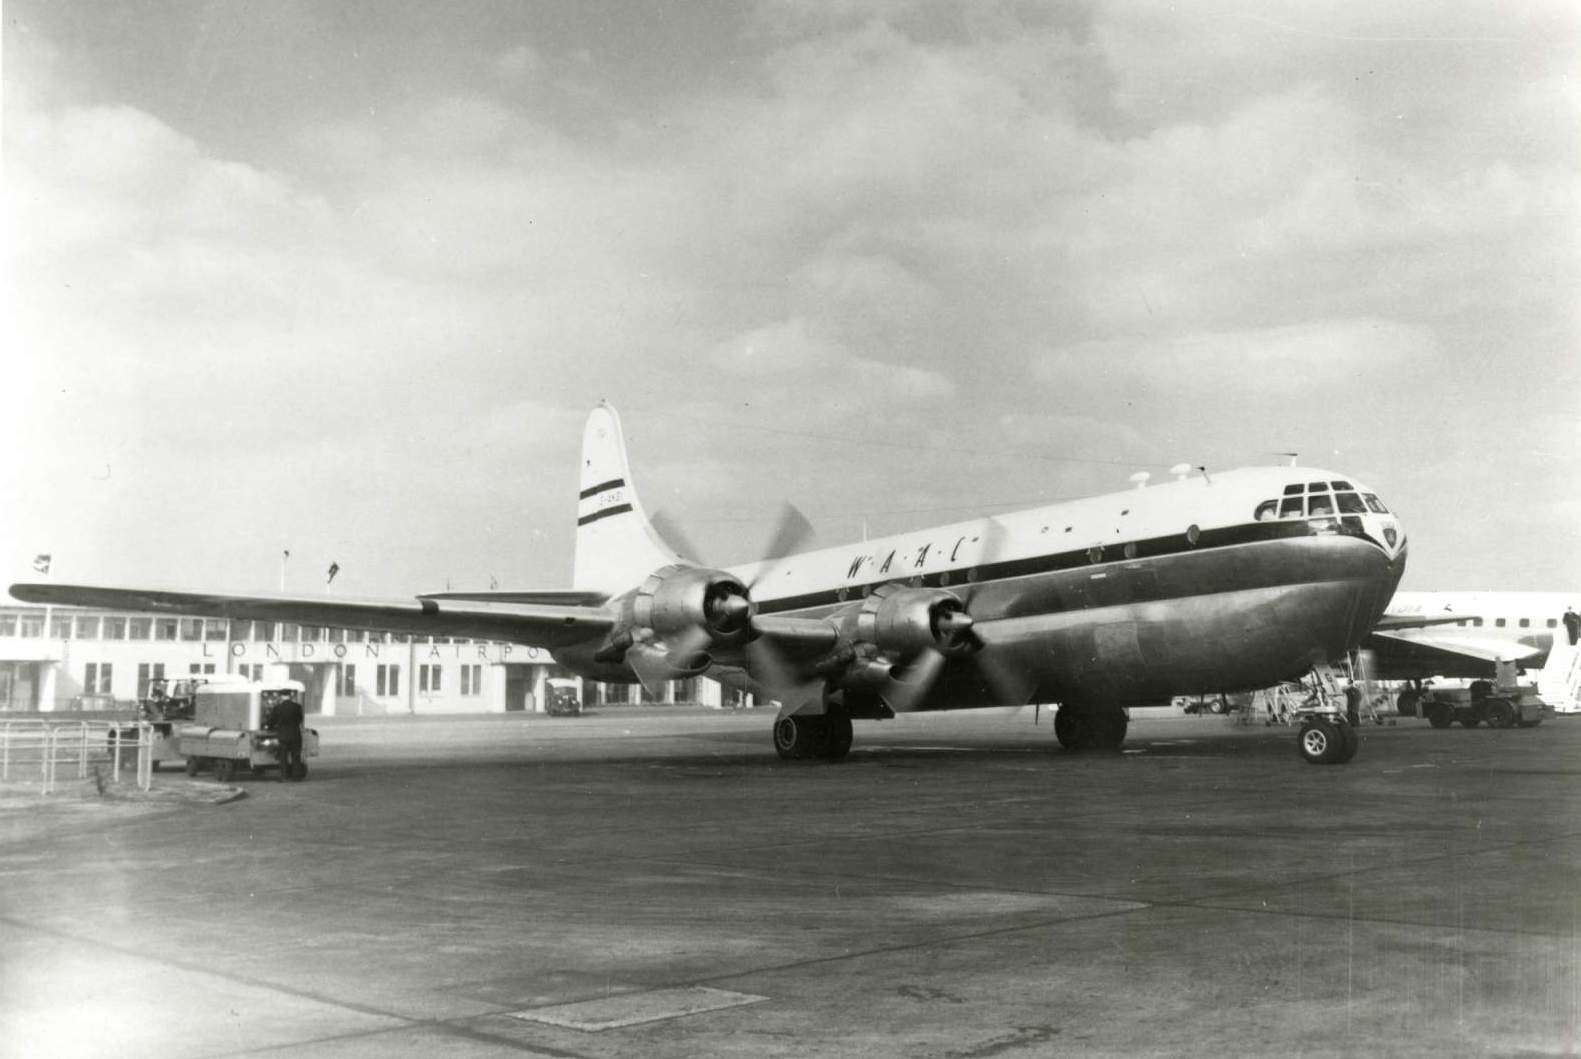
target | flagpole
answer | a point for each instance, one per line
(285, 557)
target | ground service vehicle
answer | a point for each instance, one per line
(168, 706)
(562, 697)
(1498, 703)
(233, 726)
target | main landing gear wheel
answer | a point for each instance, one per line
(1100, 729)
(1327, 742)
(799, 737)
(1439, 716)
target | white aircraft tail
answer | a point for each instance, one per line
(1559, 682)
(616, 547)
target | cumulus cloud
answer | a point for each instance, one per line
(869, 227)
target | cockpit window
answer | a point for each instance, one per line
(1374, 504)
(1317, 487)
(1293, 490)
(1265, 510)
(1290, 507)
(1320, 505)
(1349, 503)
(1341, 485)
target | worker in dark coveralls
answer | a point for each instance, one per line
(1572, 624)
(1353, 704)
(288, 730)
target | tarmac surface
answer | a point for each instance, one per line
(657, 883)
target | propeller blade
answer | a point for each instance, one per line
(686, 646)
(779, 675)
(671, 533)
(1011, 682)
(907, 691)
(652, 666)
(790, 533)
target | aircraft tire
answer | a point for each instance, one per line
(797, 738)
(1091, 729)
(1439, 716)
(1469, 720)
(1499, 713)
(1351, 736)
(1322, 742)
(836, 741)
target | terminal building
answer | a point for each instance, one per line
(70, 658)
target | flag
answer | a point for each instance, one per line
(41, 563)
(334, 568)
(286, 554)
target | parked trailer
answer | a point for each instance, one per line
(233, 727)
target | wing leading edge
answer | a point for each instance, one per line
(535, 624)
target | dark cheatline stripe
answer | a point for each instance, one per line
(594, 490)
(1153, 548)
(618, 509)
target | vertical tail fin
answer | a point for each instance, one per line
(616, 547)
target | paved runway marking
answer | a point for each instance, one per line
(610, 1013)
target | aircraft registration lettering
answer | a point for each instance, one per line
(922, 556)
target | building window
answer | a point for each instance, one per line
(7, 624)
(147, 671)
(347, 685)
(115, 628)
(387, 680)
(139, 628)
(428, 678)
(288, 631)
(216, 629)
(86, 627)
(312, 634)
(472, 679)
(337, 635)
(192, 628)
(165, 629)
(32, 626)
(96, 678)
(250, 670)
(262, 631)
(60, 628)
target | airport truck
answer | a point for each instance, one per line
(1499, 703)
(562, 697)
(166, 707)
(233, 727)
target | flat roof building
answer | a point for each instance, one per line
(69, 658)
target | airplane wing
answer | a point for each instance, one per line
(1412, 621)
(537, 624)
(1481, 648)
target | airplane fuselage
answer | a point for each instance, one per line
(1131, 597)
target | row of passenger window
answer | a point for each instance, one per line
(1501, 623)
(1316, 499)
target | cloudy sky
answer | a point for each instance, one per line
(344, 278)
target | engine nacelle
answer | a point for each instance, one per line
(901, 621)
(677, 599)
